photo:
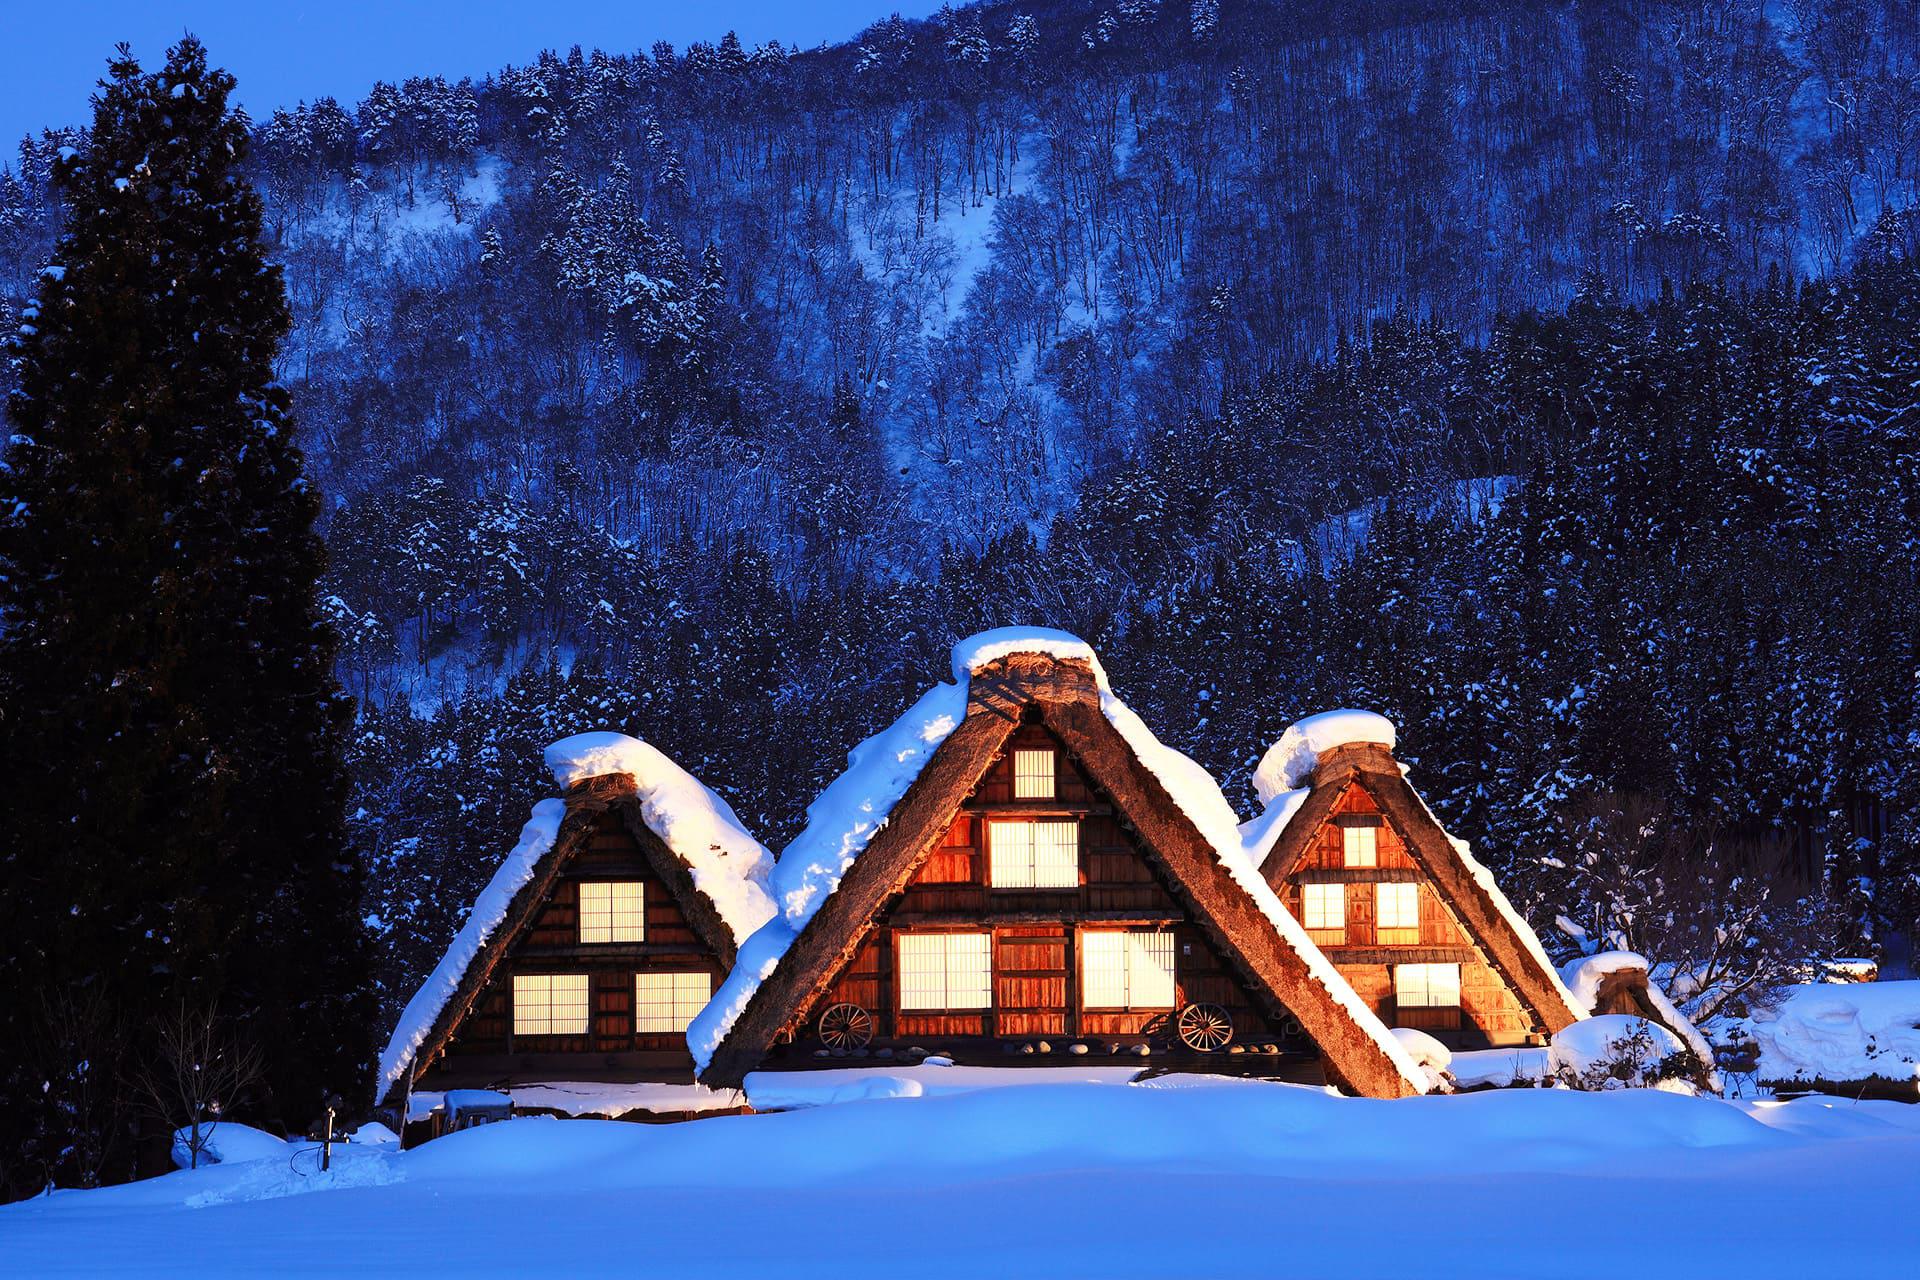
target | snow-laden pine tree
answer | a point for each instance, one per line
(171, 787)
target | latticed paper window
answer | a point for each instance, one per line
(1359, 847)
(1033, 774)
(550, 1004)
(1126, 969)
(668, 1001)
(613, 911)
(945, 971)
(1426, 986)
(1397, 906)
(1324, 907)
(1034, 855)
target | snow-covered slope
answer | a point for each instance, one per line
(417, 1019)
(1181, 1176)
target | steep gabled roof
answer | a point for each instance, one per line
(689, 836)
(1310, 753)
(871, 829)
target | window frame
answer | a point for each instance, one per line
(1129, 953)
(995, 825)
(1028, 777)
(1402, 893)
(946, 938)
(613, 913)
(1322, 889)
(585, 988)
(1400, 1001)
(1349, 837)
(674, 999)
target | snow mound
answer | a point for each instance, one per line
(846, 816)
(588, 1098)
(229, 1143)
(1839, 1032)
(1423, 1048)
(793, 1090)
(374, 1134)
(1613, 1039)
(1289, 763)
(1582, 979)
(1502, 1068)
(296, 1173)
(729, 866)
(489, 909)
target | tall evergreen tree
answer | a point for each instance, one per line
(171, 787)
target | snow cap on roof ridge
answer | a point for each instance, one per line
(1289, 763)
(985, 647)
(728, 865)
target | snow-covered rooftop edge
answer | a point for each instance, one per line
(489, 909)
(727, 864)
(1281, 781)
(844, 819)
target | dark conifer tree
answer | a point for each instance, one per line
(173, 790)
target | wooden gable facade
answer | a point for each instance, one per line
(1081, 936)
(1038, 892)
(605, 955)
(1386, 896)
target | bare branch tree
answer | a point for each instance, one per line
(1721, 912)
(199, 1069)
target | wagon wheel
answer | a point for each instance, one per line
(845, 1026)
(1204, 1027)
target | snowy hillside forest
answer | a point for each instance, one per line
(709, 393)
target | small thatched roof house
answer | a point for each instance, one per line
(1403, 910)
(603, 932)
(1018, 864)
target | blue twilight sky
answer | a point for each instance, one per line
(283, 51)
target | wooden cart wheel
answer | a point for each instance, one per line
(1204, 1028)
(845, 1026)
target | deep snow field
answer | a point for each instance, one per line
(1176, 1177)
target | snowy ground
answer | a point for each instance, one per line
(1175, 1177)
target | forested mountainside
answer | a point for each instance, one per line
(709, 393)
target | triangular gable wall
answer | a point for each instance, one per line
(586, 801)
(1066, 696)
(1513, 954)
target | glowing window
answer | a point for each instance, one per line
(1359, 847)
(550, 1004)
(1426, 986)
(1033, 774)
(1126, 969)
(668, 1001)
(1034, 855)
(945, 971)
(1324, 906)
(1397, 906)
(613, 911)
